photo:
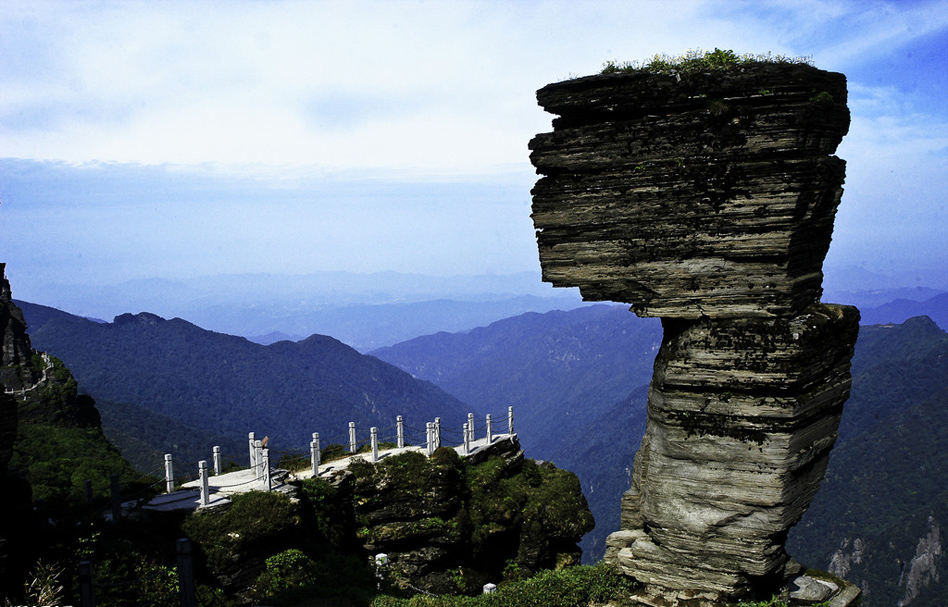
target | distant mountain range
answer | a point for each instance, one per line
(901, 309)
(369, 311)
(366, 311)
(228, 386)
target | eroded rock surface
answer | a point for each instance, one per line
(708, 194)
(708, 199)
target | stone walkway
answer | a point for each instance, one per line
(222, 487)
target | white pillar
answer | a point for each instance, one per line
(258, 458)
(266, 468)
(352, 437)
(253, 450)
(467, 440)
(202, 473)
(400, 426)
(314, 453)
(470, 425)
(430, 428)
(437, 436)
(217, 460)
(169, 473)
(510, 426)
(490, 436)
(375, 444)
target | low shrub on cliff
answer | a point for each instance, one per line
(571, 587)
(697, 61)
(254, 518)
(293, 578)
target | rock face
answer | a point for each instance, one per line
(15, 368)
(709, 194)
(708, 199)
(15, 507)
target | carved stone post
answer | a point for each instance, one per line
(217, 460)
(169, 473)
(314, 454)
(202, 475)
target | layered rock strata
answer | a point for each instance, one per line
(709, 194)
(708, 199)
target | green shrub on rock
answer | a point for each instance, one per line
(256, 525)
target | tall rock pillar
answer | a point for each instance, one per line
(707, 198)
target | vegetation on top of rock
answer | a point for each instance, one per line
(698, 61)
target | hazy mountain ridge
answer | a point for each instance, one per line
(363, 310)
(900, 310)
(227, 385)
(373, 310)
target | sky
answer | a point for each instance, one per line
(190, 138)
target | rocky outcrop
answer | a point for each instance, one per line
(707, 199)
(922, 570)
(451, 524)
(15, 505)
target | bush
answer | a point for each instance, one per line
(254, 518)
(572, 587)
(285, 571)
(697, 61)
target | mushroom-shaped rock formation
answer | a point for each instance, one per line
(707, 198)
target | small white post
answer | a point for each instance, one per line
(352, 437)
(437, 436)
(258, 458)
(375, 444)
(169, 473)
(470, 425)
(314, 453)
(400, 426)
(510, 426)
(202, 472)
(253, 450)
(430, 428)
(490, 588)
(467, 440)
(266, 468)
(490, 436)
(217, 460)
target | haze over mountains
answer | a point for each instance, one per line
(366, 311)
(369, 311)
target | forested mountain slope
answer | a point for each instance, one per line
(227, 385)
(559, 369)
(879, 517)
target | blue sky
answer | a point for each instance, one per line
(143, 139)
